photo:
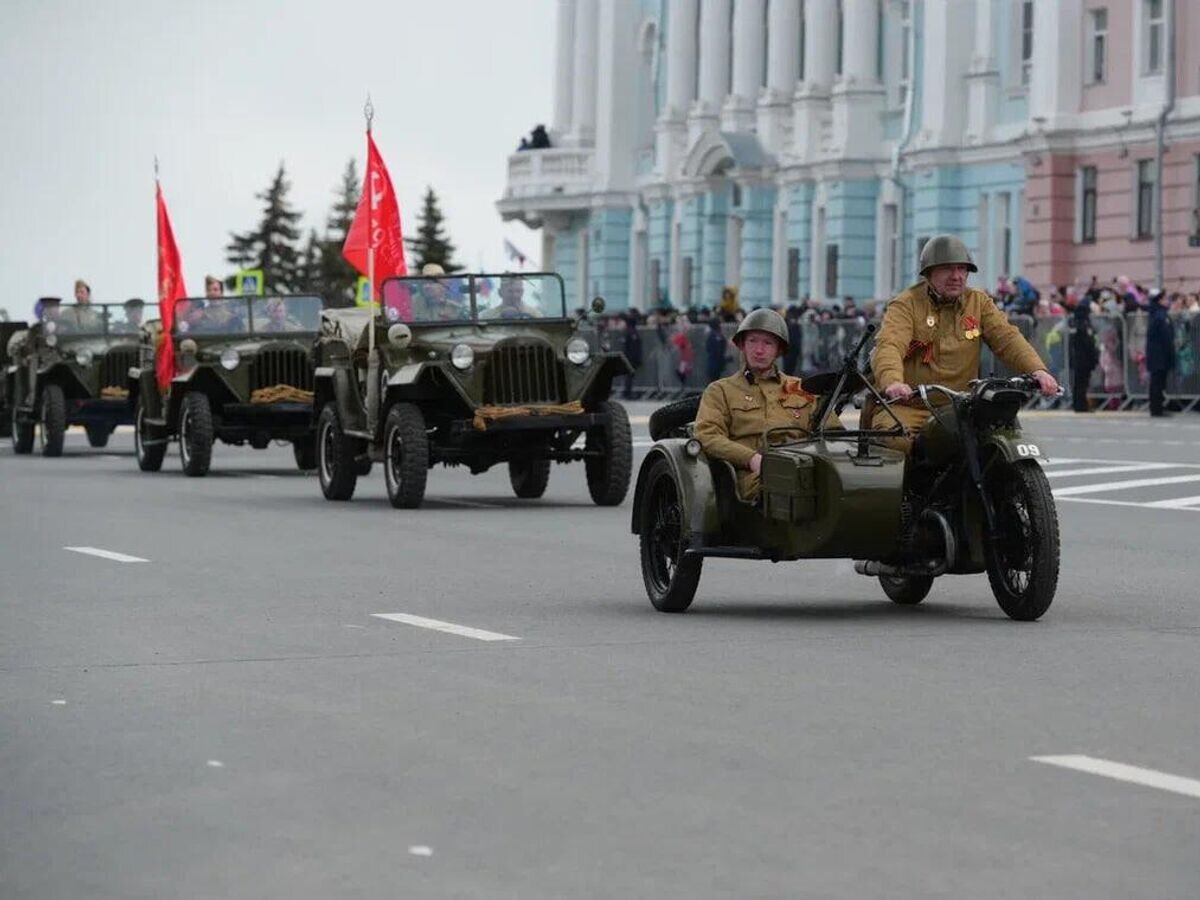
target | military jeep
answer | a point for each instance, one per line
(467, 370)
(70, 369)
(14, 334)
(243, 374)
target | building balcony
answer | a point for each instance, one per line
(547, 181)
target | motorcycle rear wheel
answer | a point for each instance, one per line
(1022, 565)
(906, 590)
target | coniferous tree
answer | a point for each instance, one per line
(338, 277)
(272, 245)
(312, 264)
(432, 245)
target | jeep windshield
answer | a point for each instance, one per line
(510, 296)
(92, 319)
(247, 315)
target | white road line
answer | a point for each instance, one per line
(1111, 470)
(106, 554)
(1123, 485)
(420, 850)
(1176, 784)
(1177, 503)
(1126, 503)
(1061, 461)
(1127, 462)
(449, 627)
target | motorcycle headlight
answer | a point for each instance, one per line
(461, 357)
(84, 357)
(578, 351)
(230, 359)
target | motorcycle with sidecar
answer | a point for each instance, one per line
(970, 498)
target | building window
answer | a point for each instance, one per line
(685, 301)
(985, 236)
(1026, 42)
(831, 270)
(793, 273)
(1146, 176)
(891, 232)
(1154, 36)
(655, 292)
(1004, 233)
(803, 28)
(905, 62)
(841, 39)
(1098, 45)
(736, 197)
(1087, 205)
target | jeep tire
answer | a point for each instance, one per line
(405, 455)
(195, 434)
(529, 477)
(608, 474)
(149, 456)
(22, 434)
(336, 468)
(54, 420)
(304, 451)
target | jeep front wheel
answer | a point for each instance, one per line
(22, 433)
(335, 457)
(405, 455)
(608, 472)
(195, 434)
(529, 477)
(149, 455)
(305, 453)
(54, 420)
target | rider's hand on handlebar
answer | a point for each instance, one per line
(756, 463)
(898, 390)
(1046, 383)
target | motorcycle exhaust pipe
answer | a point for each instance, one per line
(874, 568)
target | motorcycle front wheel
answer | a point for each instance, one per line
(1022, 563)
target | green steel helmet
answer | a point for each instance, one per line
(945, 250)
(763, 319)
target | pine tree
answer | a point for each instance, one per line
(432, 245)
(312, 265)
(338, 277)
(272, 246)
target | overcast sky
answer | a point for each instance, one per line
(222, 91)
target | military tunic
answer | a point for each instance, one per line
(736, 410)
(927, 342)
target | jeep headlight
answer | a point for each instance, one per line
(399, 335)
(578, 351)
(461, 357)
(84, 357)
(187, 347)
(51, 340)
(230, 359)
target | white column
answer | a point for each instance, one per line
(947, 49)
(714, 52)
(858, 97)
(564, 66)
(783, 70)
(681, 55)
(749, 54)
(583, 99)
(616, 96)
(811, 99)
(1056, 83)
(671, 130)
(983, 77)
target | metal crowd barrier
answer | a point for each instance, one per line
(1119, 380)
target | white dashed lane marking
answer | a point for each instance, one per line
(448, 627)
(107, 554)
(1123, 485)
(1163, 781)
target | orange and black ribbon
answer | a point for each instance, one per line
(925, 348)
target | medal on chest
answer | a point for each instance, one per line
(931, 320)
(970, 326)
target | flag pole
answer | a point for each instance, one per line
(369, 114)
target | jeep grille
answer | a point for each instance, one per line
(115, 366)
(282, 365)
(518, 373)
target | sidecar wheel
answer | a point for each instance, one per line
(671, 578)
(906, 591)
(1023, 565)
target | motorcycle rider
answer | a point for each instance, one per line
(735, 410)
(931, 334)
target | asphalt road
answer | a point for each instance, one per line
(230, 718)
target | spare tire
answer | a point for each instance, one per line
(667, 420)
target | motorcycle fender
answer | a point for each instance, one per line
(1013, 447)
(694, 480)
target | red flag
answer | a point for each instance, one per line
(170, 289)
(376, 225)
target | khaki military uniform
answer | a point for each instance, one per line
(736, 410)
(925, 342)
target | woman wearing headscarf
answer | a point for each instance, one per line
(1085, 355)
